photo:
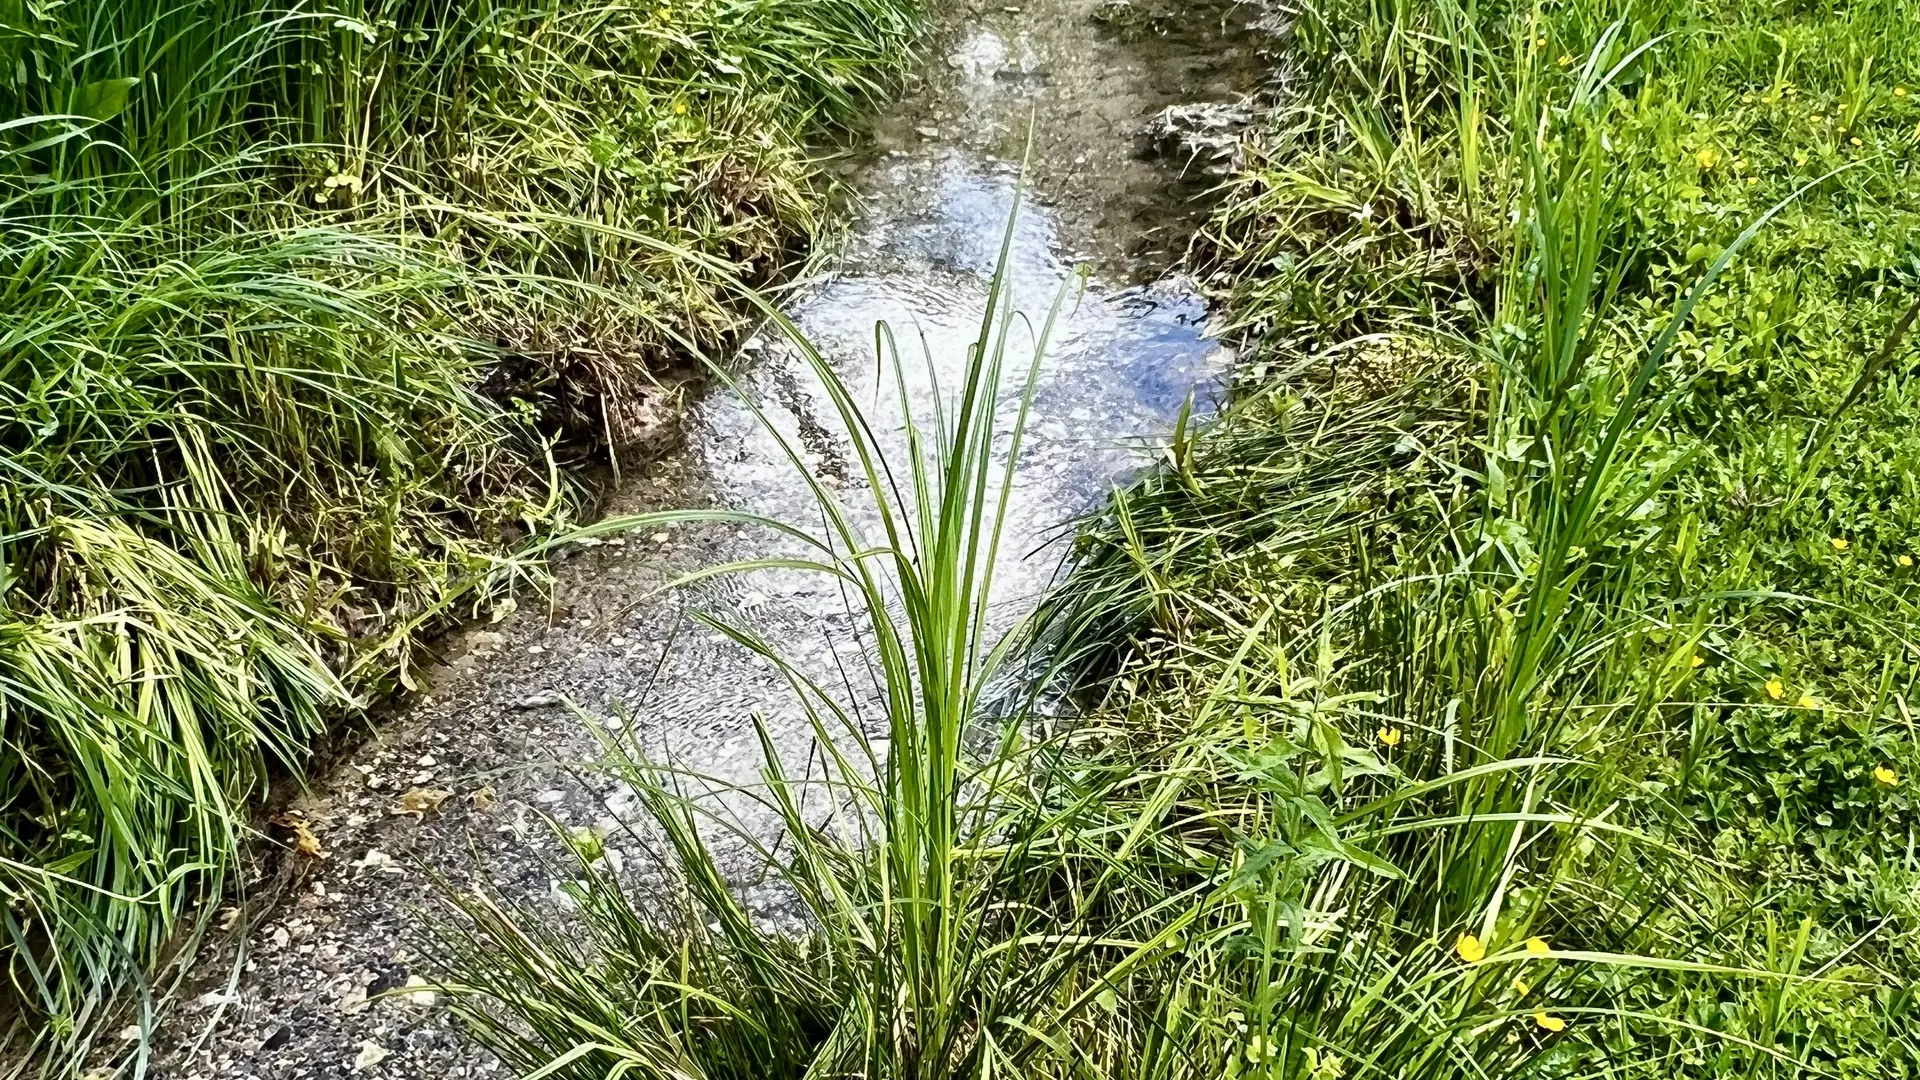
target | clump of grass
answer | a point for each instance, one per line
(913, 961)
(305, 304)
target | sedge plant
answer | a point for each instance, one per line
(914, 958)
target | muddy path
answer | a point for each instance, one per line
(455, 781)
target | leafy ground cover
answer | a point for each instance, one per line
(1513, 682)
(309, 307)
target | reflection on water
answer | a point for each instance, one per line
(1120, 365)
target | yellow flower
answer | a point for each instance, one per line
(1856, 141)
(1698, 660)
(1391, 736)
(1886, 775)
(1707, 157)
(679, 108)
(1817, 117)
(1903, 561)
(1899, 91)
(1539, 43)
(1840, 543)
(1548, 1021)
(1776, 689)
(1807, 702)
(1470, 949)
(1565, 60)
(1537, 946)
(1521, 986)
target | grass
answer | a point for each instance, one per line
(309, 309)
(1578, 388)
(1513, 682)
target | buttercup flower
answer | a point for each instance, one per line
(1776, 689)
(1807, 702)
(1903, 561)
(1549, 1021)
(1470, 949)
(1537, 946)
(1886, 775)
(1391, 736)
(1840, 543)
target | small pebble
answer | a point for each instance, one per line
(371, 1054)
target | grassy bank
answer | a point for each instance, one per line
(308, 309)
(1513, 682)
(1578, 425)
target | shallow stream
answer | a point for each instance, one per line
(934, 191)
